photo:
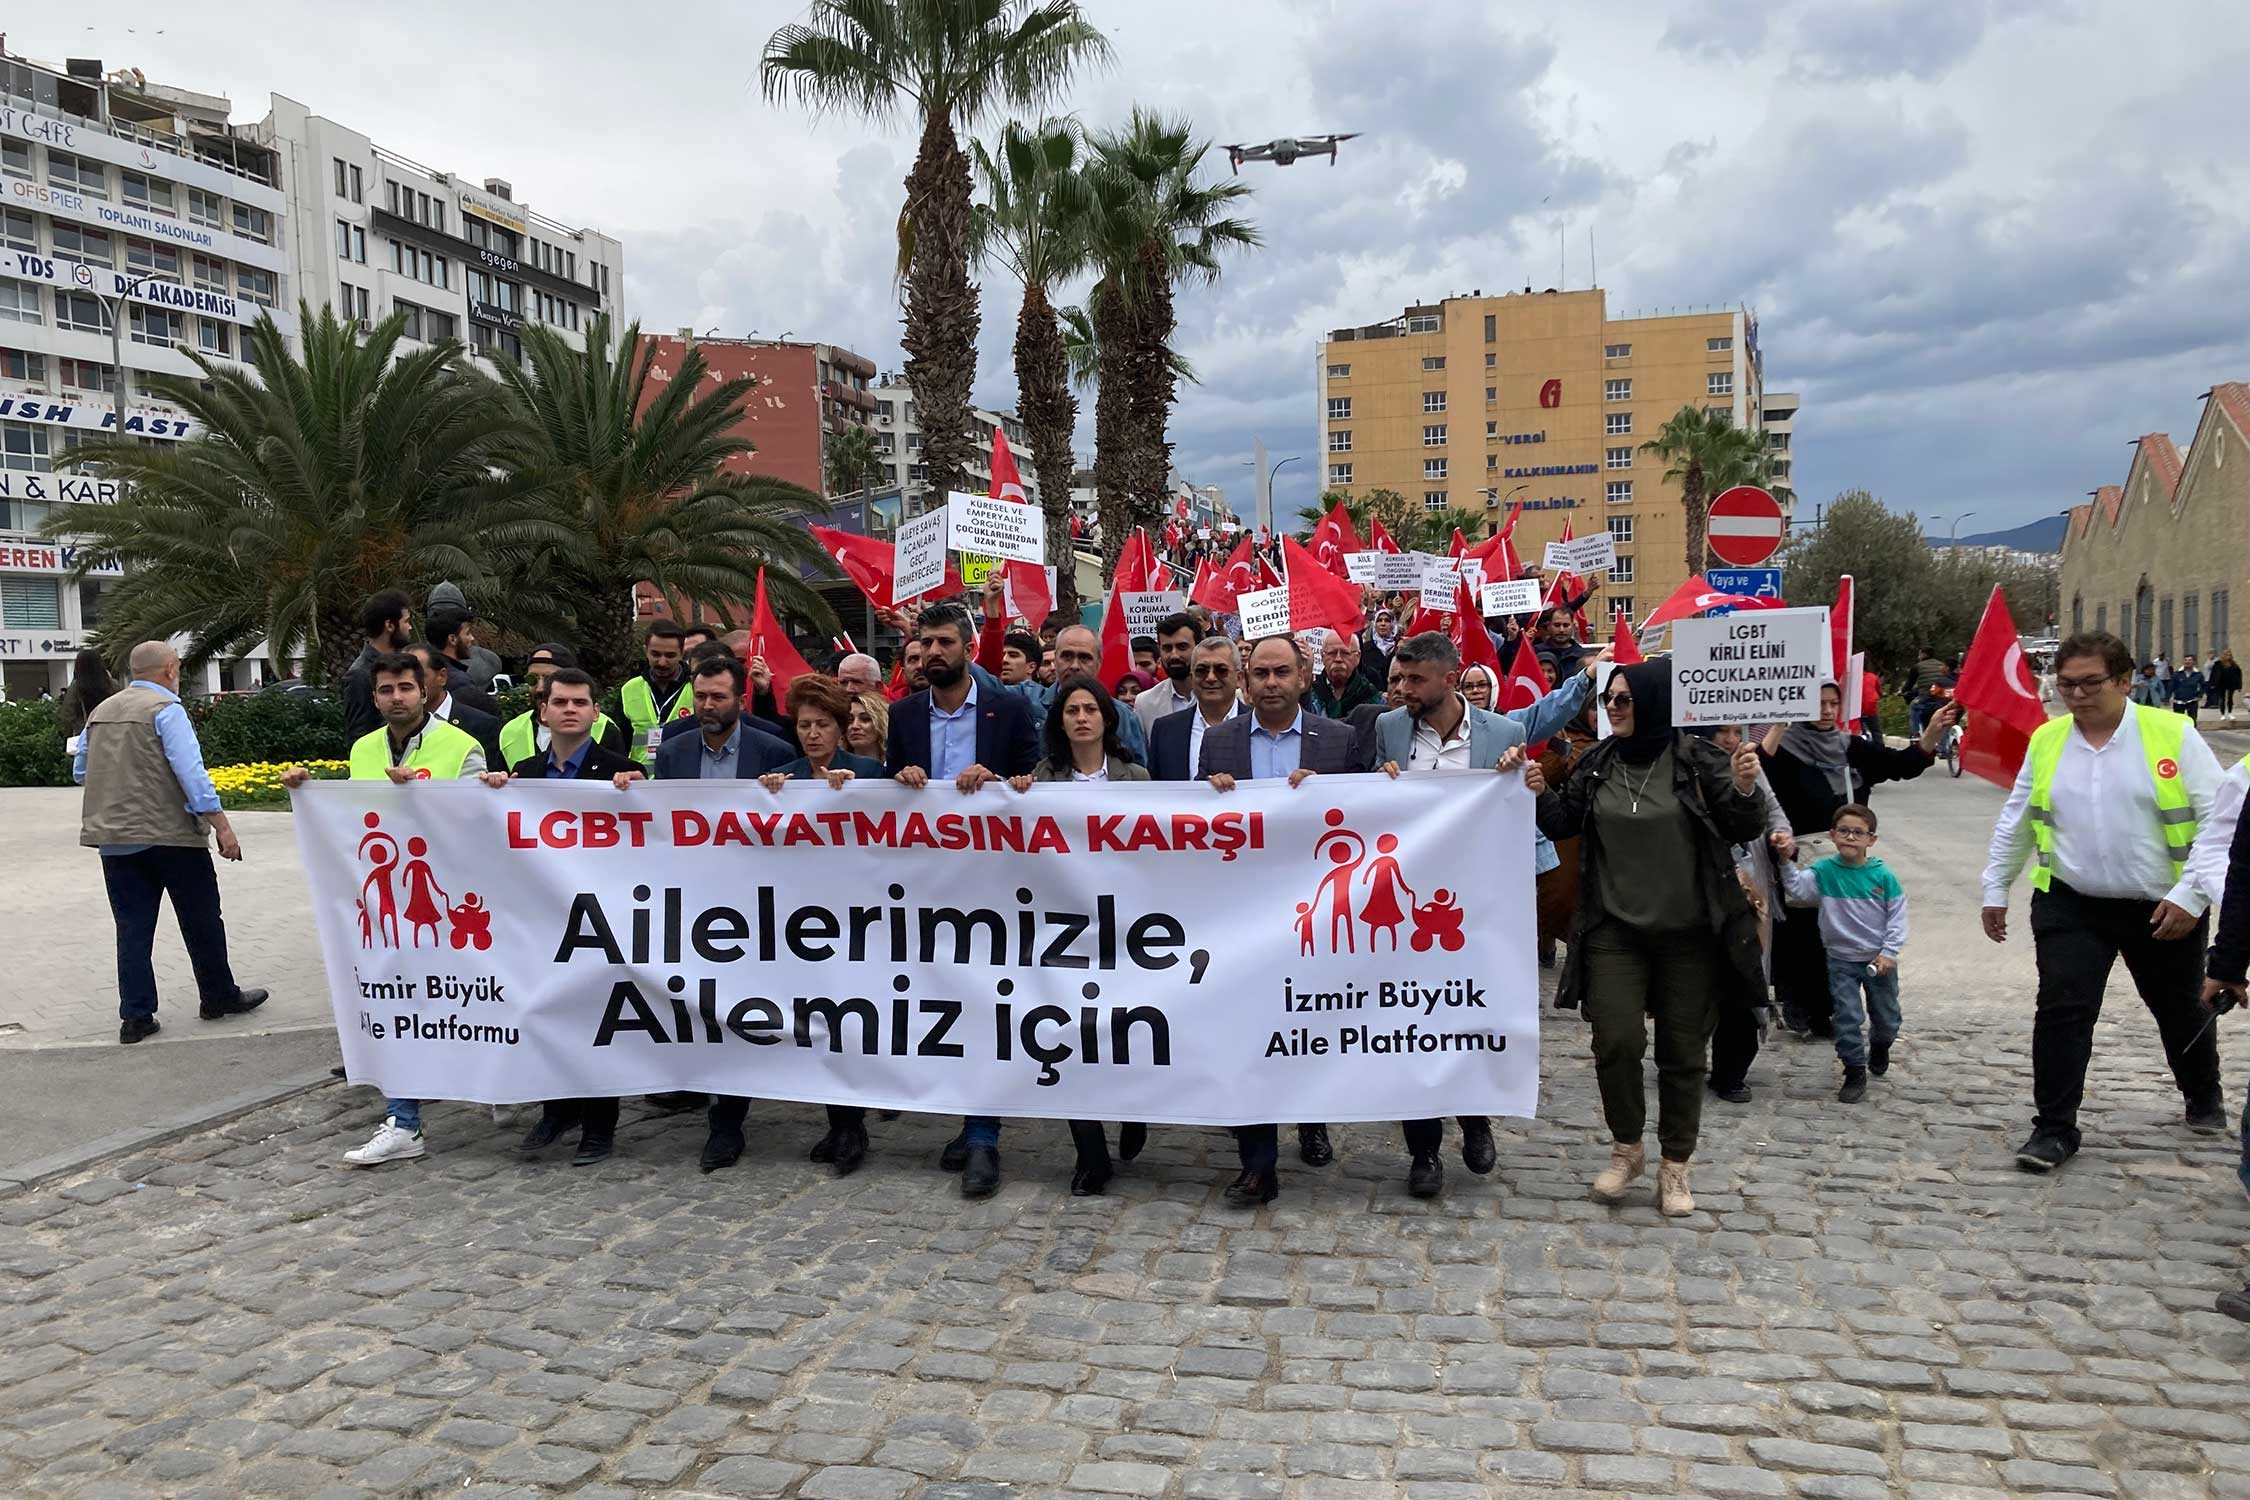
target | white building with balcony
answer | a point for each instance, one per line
(898, 443)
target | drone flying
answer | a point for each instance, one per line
(1287, 149)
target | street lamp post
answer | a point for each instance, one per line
(115, 307)
(1276, 469)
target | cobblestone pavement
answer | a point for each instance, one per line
(1870, 1301)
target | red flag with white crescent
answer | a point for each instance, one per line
(1217, 589)
(1027, 581)
(1333, 540)
(1997, 687)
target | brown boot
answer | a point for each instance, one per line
(1627, 1161)
(1672, 1196)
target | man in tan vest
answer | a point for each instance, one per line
(149, 803)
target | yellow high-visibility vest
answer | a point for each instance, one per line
(2163, 733)
(439, 757)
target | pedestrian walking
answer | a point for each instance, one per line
(1863, 927)
(90, 684)
(150, 809)
(2225, 984)
(2221, 683)
(2187, 689)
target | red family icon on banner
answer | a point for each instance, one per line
(1354, 872)
(427, 907)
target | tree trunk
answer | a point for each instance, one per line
(1113, 421)
(941, 305)
(1153, 388)
(1050, 415)
(1698, 515)
(608, 644)
(332, 655)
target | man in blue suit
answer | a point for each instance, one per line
(1175, 742)
(1438, 730)
(961, 731)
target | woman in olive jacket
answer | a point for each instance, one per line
(1664, 931)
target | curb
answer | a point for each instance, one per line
(43, 1169)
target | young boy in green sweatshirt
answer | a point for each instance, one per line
(1863, 926)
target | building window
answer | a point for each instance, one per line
(23, 446)
(19, 231)
(1492, 429)
(81, 311)
(1339, 473)
(2191, 625)
(88, 375)
(1435, 500)
(1492, 461)
(20, 302)
(1433, 468)
(19, 364)
(1621, 570)
(209, 274)
(438, 325)
(412, 328)
(1619, 491)
(1720, 383)
(156, 260)
(1433, 436)
(92, 246)
(1622, 602)
(214, 336)
(1617, 458)
(1619, 424)
(339, 165)
(359, 187)
(1718, 346)
(1339, 372)
(1620, 528)
(1422, 323)
(15, 157)
(2101, 617)
(2219, 641)
(2164, 629)
(1491, 331)
(253, 223)
(205, 209)
(255, 285)
(1340, 440)
(31, 603)
(1491, 394)
(1492, 361)
(1433, 401)
(77, 174)
(1617, 351)
(1339, 409)
(1617, 390)
(151, 193)
(1433, 361)
(156, 325)
(390, 195)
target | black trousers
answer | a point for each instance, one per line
(728, 1111)
(1427, 1136)
(1800, 973)
(137, 885)
(597, 1117)
(2078, 939)
(1734, 1044)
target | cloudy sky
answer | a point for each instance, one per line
(1990, 241)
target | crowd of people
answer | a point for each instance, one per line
(1697, 883)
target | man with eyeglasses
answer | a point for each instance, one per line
(2106, 810)
(1175, 742)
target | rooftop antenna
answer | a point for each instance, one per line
(1593, 272)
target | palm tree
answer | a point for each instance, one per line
(313, 484)
(851, 461)
(626, 481)
(1709, 455)
(1033, 221)
(1154, 226)
(954, 62)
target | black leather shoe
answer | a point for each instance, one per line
(540, 1136)
(823, 1149)
(244, 1002)
(850, 1150)
(592, 1148)
(1132, 1137)
(1878, 1060)
(1090, 1178)
(673, 1103)
(2236, 1305)
(1733, 1093)
(1252, 1189)
(137, 1028)
(1425, 1178)
(1478, 1153)
(723, 1149)
(955, 1156)
(980, 1172)
(2208, 1116)
(1855, 1086)
(2044, 1153)
(1313, 1147)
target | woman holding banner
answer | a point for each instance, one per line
(1663, 930)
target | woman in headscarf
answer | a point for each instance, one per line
(1480, 687)
(1814, 769)
(1664, 931)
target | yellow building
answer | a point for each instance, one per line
(1476, 402)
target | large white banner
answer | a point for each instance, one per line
(91, 140)
(67, 203)
(1164, 952)
(77, 276)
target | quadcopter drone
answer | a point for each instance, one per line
(1286, 150)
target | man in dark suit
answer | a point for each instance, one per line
(954, 731)
(439, 700)
(1175, 742)
(572, 703)
(780, 729)
(1276, 738)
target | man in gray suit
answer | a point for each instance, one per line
(1276, 738)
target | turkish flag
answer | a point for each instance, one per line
(1621, 636)
(1525, 684)
(1316, 596)
(1996, 685)
(872, 565)
(1218, 588)
(1332, 540)
(1027, 581)
(1134, 565)
(1840, 652)
(1469, 635)
(1267, 577)
(1379, 540)
(769, 640)
(1694, 597)
(1498, 551)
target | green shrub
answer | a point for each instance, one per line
(31, 745)
(1891, 712)
(247, 728)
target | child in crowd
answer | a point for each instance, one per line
(1863, 924)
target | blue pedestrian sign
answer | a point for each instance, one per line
(1758, 583)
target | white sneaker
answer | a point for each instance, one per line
(388, 1143)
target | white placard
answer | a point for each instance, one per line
(1602, 675)
(1392, 572)
(1852, 692)
(1143, 610)
(1441, 577)
(1264, 612)
(919, 564)
(995, 527)
(1521, 596)
(1348, 956)
(1583, 555)
(1761, 666)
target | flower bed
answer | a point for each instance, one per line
(259, 784)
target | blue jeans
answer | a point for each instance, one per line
(407, 1112)
(981, 1130)
(1847, 980)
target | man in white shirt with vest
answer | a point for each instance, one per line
(2106, 812)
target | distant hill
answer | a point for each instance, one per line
(2042, 535)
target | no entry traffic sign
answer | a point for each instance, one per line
(1745, 526)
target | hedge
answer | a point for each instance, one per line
(31, 744)
(238, 729)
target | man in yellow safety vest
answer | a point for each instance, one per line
(651, 699)
(2106, 812)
